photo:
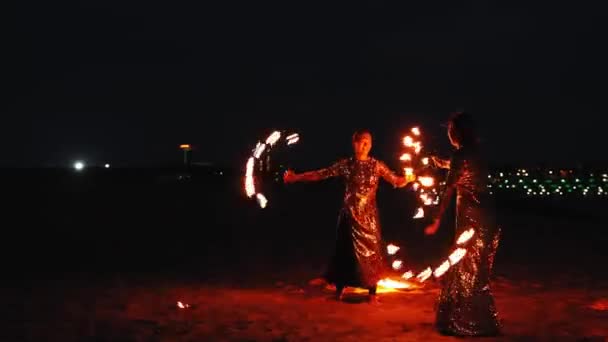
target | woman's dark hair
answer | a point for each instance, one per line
(464, 129)
(359, 133)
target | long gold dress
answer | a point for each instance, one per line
(358, 260)
(466, 306)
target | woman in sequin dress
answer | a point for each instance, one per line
(466, 305)
(358, 260)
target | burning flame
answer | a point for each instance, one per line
(425, 161)
(426, 181)
(424, 275)
(408, 171)
(406, 157)
(416, 131)
(465, 236)
(273, 138)
(439, 271)
(259, 149)
(292, 139)
(397, 264)
(388, 283)
(419, 213)
(457, 255)
(249, 184)
(182, 305)
(408, 275)
(408, 141)
(392, 249)
(262, 201)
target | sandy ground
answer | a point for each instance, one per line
(147, 310)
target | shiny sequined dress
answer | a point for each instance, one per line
(358, 260)
(466, 305)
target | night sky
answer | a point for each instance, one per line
(128, 81)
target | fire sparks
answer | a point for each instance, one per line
(425, 161)
(416, 131)
(392, 249)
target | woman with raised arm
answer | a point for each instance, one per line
(466, 305)
(358, 260)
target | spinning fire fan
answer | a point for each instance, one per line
(259, 164)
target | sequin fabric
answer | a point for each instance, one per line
(358, 260)
(466, 306)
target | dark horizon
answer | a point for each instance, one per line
(130, 82)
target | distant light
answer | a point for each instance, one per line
(184, 146)
(78, 165)
(107, 166)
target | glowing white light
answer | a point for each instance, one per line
(78, 165)
(107, 166)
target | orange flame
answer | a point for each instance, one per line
(426, 181)
(259, 149)
(262, 201)
(425, 161)
(424, 275)
(408, 171)
(397, 264)
(439, 271)
(406, 157)
(416, 131)
(249, 184)
(408, 141)
(273, 138)
(408, 275)
(465, 236)
(457, 255)
(388, 284)
(419, 213)
(392, 249)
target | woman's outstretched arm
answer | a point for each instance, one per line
(337, 169)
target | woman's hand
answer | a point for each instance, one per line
(289, 177)
(432, 228)
(440, 163)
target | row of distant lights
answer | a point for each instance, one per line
(80, 165)
(559, 190)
